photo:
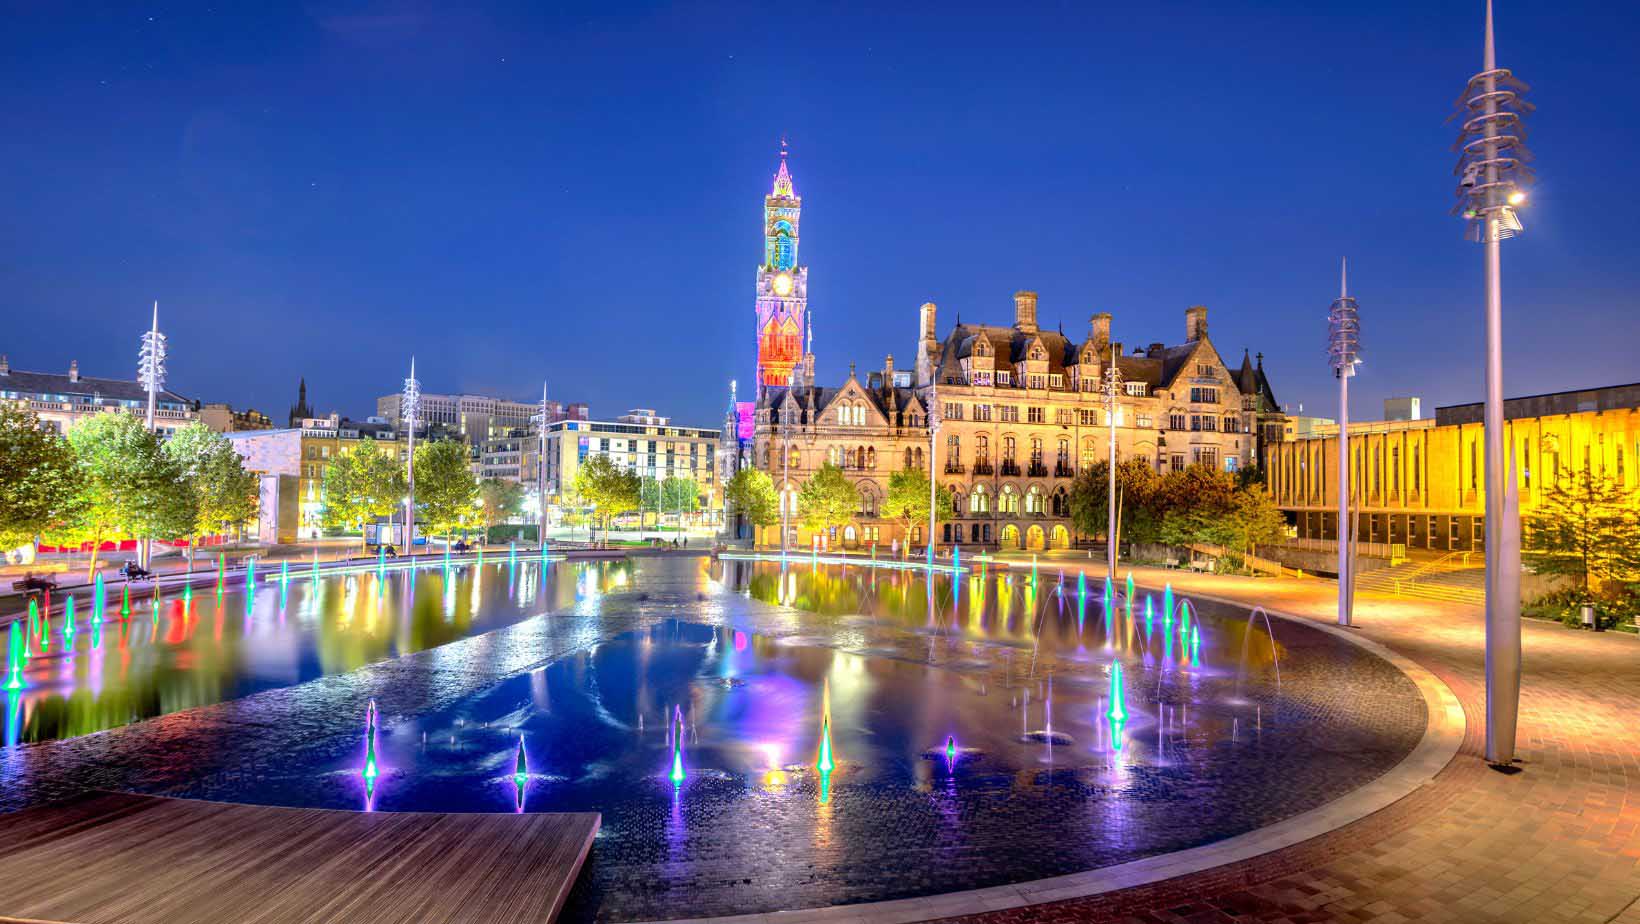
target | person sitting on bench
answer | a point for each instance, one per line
(132, 571)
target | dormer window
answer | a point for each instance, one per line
(1136, 389)
(1004, 377)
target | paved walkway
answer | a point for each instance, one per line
(1558, 841)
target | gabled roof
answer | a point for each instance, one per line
(58, 383)
(887, 401)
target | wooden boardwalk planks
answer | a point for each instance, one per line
(114, 857)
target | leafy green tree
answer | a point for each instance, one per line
(1138, 501)
(38, 478)
(499, 500)
(224, 493)
(680, 495)
(1586, 528)
(361, 484)
(1251, 520)
(610, 489)
(827, 499)
(907, 501)
(751, 494)
(129, 486)
(446, 491)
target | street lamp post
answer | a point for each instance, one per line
(786, 425)
(410, 406)
(1113, 389)
(1344, 351)
(1492, 170)
(933, 486)
(151, 374)
(542, 421)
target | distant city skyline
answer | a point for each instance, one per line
(512, 193)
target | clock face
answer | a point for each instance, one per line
(783, 284)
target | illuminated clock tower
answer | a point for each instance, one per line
(782, 285)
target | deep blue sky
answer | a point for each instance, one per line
(533, 190)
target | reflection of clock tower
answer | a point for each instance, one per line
(782, 285)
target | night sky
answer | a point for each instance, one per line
(527, 191)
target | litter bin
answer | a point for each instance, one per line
(1589, 620)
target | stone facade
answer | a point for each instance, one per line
(1022, 411)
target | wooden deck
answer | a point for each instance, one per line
(115, 857)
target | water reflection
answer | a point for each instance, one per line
(167, 653)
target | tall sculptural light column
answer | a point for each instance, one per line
(1491, 168)
(151, 375)
(1344, 352)
(1113, 388)
(410, 407)
(542, 420)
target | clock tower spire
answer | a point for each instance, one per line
(782, 285)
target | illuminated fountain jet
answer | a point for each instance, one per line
(521, 773)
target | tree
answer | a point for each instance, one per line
(360, 484)
(680, 494)
(1586, 528)
(751, 494)
(827, 499)
(38, 478)
(610, 490)
(128, 485)
(1252, 520)
(1138, 511)
(907, 501)
(499, 500)
(446, 491)
(224, 493)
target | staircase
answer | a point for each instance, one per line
(1457, 577)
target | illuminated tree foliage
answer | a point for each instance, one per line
(128, 485)
(447, 494)
(751, 494)
(610, 489)
(361, 484)
(38, 478)
(827, 499)
(1586, 528)
(907, 500)
(224, 493)
(499, 500)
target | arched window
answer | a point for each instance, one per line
(1059, 505)
(979, 501)
(1036, 451)
(1090, 453)
(1064, 455)
(982, 448)
(794, 459)
(1033, 499)
(956, 502)
(1008, 500)
(871, 457)
(868, 500)
(907, 457)
(919, 457)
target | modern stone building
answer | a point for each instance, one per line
(1421, 483)
(62, 399)
(291, 464)
(641, 441)
(224, 419)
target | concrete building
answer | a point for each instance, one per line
(291, 464)
(62, 399)
(1420, 482)
(654, 449)
(1299, 426)
(477, 417)
(1409, 408)
(223, 418)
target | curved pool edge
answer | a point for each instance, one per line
(1443, 735)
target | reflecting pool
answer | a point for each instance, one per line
(759, 737)
(89, 669)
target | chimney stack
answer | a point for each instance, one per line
(888, 371)
(73, 370)
(1195, 323)
(1099, 330)
(1025, 312)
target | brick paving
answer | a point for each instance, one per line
(1558, 841)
